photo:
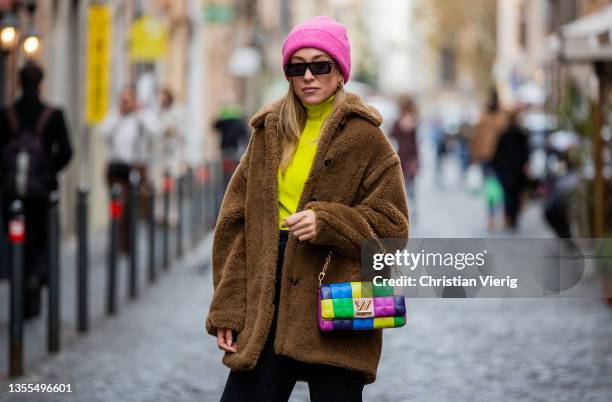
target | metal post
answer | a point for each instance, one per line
(133, 225)
(116, 207)
(192, 207)
(82, 260)
(4, 250)
(179, 223)
(152, 229)
(197, 204)
(218, 181)
(166, 234)
(16, 238)
(53, 320)
(205, 199)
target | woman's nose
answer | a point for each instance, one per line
(308, 75)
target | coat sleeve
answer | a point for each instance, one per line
(61, 149)
(382, 205)
(228, 305)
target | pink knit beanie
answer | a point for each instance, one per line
(322, 33)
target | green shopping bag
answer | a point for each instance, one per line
(493, 190)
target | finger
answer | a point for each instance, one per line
(229, 337)
(307, 236)
(221, 339)
(303, 231)
(293, 219)
(223, 345)
(304, 223)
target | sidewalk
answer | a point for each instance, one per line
(35, 331)
(154, 350)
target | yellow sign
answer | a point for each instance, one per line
(98, 62)
(148, 39)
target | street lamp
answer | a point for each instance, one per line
(8, 31)
(31, 43)
(8, 36)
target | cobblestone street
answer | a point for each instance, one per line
(156, 349)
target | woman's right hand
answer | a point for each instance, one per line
(225, 340)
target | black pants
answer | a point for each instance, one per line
(274, 377)
(512, 202)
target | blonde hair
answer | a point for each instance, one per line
(292, 121)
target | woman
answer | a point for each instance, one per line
(316, 172)
(405, 132)
(483, 145)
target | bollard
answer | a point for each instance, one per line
(205, 201)
(179, 223)
(152, 228)
(219, 190)
(16, 239)
(211, 199)
(82, 260)
(166, 223)
(133, 228)
(4, 261)
(53, 319)
(116, 207)
(197, 204)
(192, 207)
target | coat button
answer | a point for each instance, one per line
(327, 162)
(294, 281)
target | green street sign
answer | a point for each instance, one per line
(218, 13)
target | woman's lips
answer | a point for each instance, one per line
(310, 90)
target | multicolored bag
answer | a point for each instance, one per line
(358, 305)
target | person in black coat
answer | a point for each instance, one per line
(234, 132)
(56, 144)
(509, 163)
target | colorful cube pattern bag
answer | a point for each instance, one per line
(354, 306)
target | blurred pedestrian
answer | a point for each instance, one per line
(464, 136)
(404, 131)
(317, 174)
(510, 164)
(34, 148)
(563, 181)
(169, 149)
(439, 137)
(129, 132)
(234, 133)
(482, 149)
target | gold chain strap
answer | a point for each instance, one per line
(329, 255)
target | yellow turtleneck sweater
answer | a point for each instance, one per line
(291, 184)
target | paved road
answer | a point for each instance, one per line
(450, 350)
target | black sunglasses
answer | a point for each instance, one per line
(315, 67)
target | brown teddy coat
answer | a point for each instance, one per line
(355, 176)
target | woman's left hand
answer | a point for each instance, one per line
(302, 225)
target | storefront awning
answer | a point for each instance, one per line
(588, 39)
